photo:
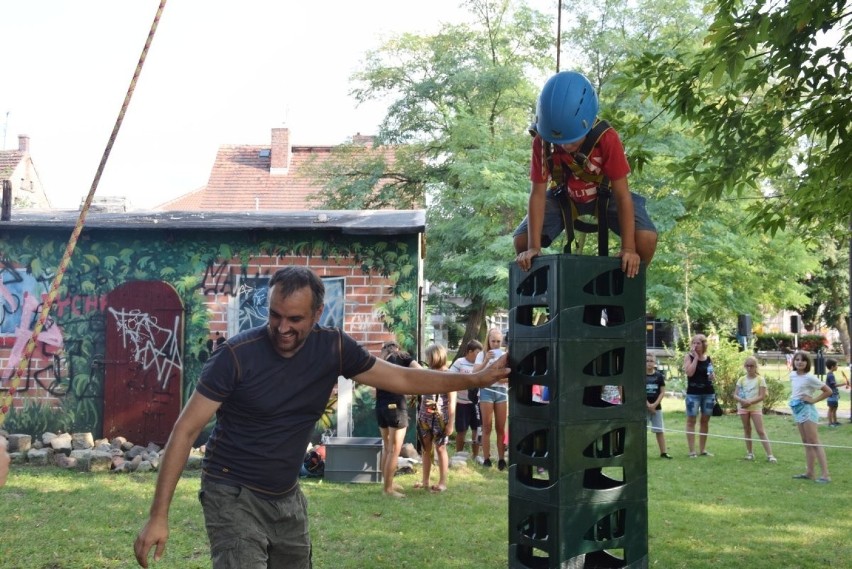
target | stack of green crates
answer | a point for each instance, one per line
(578, 494)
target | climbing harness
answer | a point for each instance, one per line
(559, 189)
(15, 380)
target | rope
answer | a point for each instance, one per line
(15, 382)
(558, 34)
(754, 440)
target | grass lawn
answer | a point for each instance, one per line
(710, 512)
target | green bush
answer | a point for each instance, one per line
(776, 394)
(772, 342)
(37, 418)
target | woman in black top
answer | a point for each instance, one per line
(392, 416)
(700, 395)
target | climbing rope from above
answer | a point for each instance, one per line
(15, 381)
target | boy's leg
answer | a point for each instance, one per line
(552, 227)
(645, 231)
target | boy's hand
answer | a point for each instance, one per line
(524, 259)
(629, 262)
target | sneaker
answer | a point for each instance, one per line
(501, 464)
(771, 459)
(705, 453)
(822, 480)
(486, 463)
(749, 456)
(665, 455)
(692, 455)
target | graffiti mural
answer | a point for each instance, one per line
(143, 357)
(249, 308)
(152, 346)
(213, 279)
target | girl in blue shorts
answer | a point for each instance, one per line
(803, 385)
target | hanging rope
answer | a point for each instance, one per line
(558, 33)
(15, 382)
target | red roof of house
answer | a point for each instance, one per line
(9, 160)
(259, 177)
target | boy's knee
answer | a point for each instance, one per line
(520, 242)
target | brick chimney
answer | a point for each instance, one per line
(280, 155)
(24, 143)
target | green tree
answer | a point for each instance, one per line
(767, 94)
(460, 104)
(828, 289)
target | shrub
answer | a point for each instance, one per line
(772, 342)
(36, 418)
(776, 394)
(812, 342)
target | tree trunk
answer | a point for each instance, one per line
(473, 326)
(843, 330)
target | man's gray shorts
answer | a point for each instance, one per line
(249, 532)
(553, 223)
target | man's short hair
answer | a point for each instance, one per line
(290, 279)
(473, 345)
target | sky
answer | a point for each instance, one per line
(218, 72)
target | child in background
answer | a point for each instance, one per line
(493, 402)
(654, 384)
(435, 420)
(834, 400)
(467, 401)
(749, 392)
(803, 385)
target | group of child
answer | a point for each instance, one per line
(439, 415)
(750, 392)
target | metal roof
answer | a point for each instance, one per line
(356, 222)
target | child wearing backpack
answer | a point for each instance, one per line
(749, 393)
(578, 161)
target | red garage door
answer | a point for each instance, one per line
(144, 361)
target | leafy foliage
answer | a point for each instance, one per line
(767, 96)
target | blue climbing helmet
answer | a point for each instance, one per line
(567, 107)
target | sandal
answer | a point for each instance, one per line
(438, 488)
(802, 477)
(419, 485)
(822, 480)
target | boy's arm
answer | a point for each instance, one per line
(535, 224)
(626, 225)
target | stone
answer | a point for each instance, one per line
(19, 443)
(68, 462)
(82, 441)
(134, 451)
(408, 451)
(47, 437)
(144, 466)
(118, 442)
(40, 457)
(61, 443)
(100, 461)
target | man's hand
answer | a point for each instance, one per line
(524, 259)
(154, 533)
(494, 372)
(629, 262)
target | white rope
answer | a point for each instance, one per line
(758, 440)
